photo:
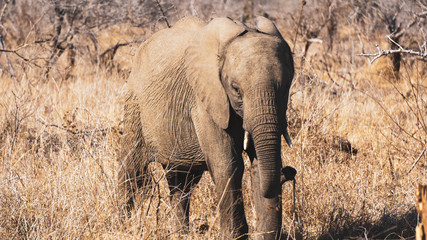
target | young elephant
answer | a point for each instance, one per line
(198, 95)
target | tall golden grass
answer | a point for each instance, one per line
(59, 143)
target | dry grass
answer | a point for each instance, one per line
(59, 141)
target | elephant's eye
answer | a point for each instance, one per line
(235, 89)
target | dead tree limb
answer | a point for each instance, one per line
(3, 10)
(17, 49)
(422, 54)
(108, 54)
(2, 49)
(163, 13)
(75, 132)
(416, 161)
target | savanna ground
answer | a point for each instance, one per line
(63, 70)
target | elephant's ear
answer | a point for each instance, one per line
(266, 26)
(202, 62)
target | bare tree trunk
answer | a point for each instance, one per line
(395, 58)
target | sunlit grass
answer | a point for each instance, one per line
(60, 139)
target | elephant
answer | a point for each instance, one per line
(198, 95)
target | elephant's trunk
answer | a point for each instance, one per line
(266, 136)
(267, 146)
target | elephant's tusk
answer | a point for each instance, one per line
(246, 141)
(287, 138)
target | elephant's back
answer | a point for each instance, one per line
(165, 48)
(158, 65)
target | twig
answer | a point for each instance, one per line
(384, 52)
(163, 14)
(15, 51)
(17, 123)
(303, 2)
(416, 161)
(157, 186)
(329, 75)
(78, 132)
(294, 203)
(224, 192)
(3, 10)
(2, 49)
(315, 40)
(378, 102)
(394, 42)
(113, 49)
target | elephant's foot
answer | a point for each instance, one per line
(232, 229)
(233, 221)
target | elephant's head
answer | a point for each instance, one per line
(250, 70)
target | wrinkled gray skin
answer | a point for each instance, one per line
(193, 92)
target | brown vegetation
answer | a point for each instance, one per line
(359, 130)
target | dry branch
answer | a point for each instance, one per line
(16, 50)
(416, 161)
(422, 54)
(76, 132)
(108, 54)
(3, 10)
(2, 49)
(163, 13)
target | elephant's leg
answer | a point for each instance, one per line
(267, 210)
(131, 179)
(223, 155)
(133, 159)
(180, 185)
(228, 185)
